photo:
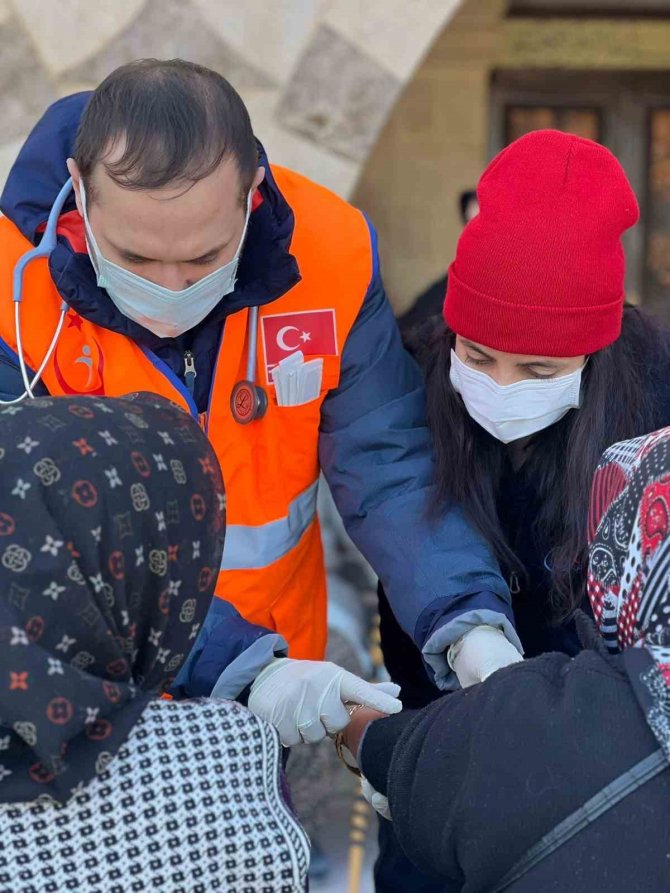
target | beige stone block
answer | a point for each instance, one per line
(396, 33)
(25, 87)
(8, 153)
(67, 32)
(5, 11)
(271, 36)
(167, 29)
(338, 96)
(294, 151)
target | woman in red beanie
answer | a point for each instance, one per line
(539, 368)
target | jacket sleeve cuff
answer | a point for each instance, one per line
(451, 627)
(223, 642)
(239, 674)
(375, 751)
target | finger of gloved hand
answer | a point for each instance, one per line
(357, 690)
(311, 731)
(381, 805)
(481, 652)
(390, 688)
(376, 800)
(289, 735)
(490, 669)
(334, 716)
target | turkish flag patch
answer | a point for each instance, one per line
(311, 331)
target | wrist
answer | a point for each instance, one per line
(352, 736)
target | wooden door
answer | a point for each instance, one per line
(630, 114)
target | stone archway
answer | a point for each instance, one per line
(319, 76)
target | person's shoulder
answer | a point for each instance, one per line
(166, 710)
(296, 188)
(205, 720)
(555, 682)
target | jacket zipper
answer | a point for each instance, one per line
(189, 371)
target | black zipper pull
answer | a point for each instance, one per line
(189, 371)
(514, 586)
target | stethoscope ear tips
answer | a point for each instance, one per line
(248, 402)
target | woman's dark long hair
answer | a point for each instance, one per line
(619, 402)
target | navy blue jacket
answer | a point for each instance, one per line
(374, 445)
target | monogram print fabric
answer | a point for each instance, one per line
(111, 533)
(629, 567)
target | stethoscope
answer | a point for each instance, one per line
(44, 249)
(248, 400)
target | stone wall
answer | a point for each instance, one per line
(319, 76)
(434, 146)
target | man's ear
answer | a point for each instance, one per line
(73, 170)
(258, 179)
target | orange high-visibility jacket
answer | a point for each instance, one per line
(273, 570)
(368, 424)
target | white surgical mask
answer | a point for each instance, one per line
(164, 312)
(510, 412)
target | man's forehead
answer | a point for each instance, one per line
(172, 224)
(223, 185)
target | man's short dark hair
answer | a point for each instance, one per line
(175, 121)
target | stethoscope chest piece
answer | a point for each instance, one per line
(248, 402)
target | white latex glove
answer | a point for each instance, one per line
(376, 800)
(480, 652)
(304, 699)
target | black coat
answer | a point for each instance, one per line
(479, 776)
(427, 305)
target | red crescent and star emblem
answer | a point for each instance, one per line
(314, 332)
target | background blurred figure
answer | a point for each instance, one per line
(430, 302)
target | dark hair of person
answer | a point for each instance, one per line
(464, 200)
(617, 404)
(175, 121)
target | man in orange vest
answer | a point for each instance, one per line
(184, 264)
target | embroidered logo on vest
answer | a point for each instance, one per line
(78, 360)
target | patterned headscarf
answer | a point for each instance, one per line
(111, 534)
(629, 567)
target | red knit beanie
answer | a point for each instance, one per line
(540, 270)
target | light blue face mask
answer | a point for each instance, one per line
(164, 312)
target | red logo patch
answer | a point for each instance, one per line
(314, 332)
(78, 363)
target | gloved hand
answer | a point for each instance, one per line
(376, 800)
(480, 652)
(304, 699)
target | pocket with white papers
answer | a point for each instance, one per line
(296, 381)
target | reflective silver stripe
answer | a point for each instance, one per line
(250, 547)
